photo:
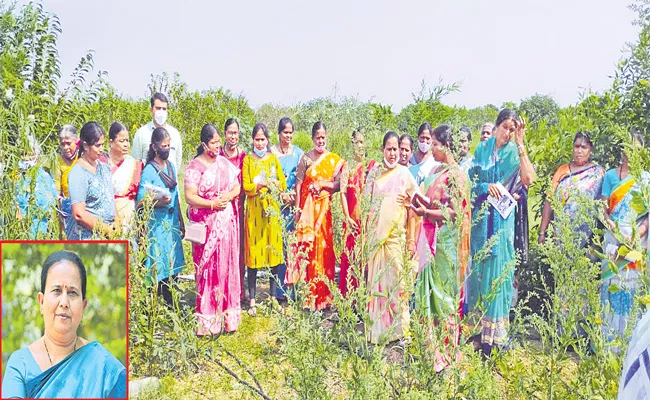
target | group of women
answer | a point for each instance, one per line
(425, 206)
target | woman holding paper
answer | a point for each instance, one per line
(211, 183)
(165, 257)
(386, 227)
(443, 243)
(499, 163)
(263, 181)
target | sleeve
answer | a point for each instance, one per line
(13, 382)
(411, 184)
(136, 147)
(280, 174)
(250, 188)
(301, 169)
(179, 152)
(192, 176)
(77, 185)
(556, 178)
(119, 389)
(146, 178)
(607, 185)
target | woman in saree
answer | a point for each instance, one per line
(233, 153)
(443, 243)
(289, 156)
(61, 364)
(619, 188)
(66, 159)
(405, 149)
(210, 186)
(421, 161)
(387, 227)
(91, 189)
(318, 177)
(579, 177)
(126, 172)
(498, 160)
(261, 176)
(352, 182)
(165, 257)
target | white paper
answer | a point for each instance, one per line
(505, 204)
(157, 192)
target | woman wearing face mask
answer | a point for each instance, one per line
(210, 186)
(289, 156)
(126, 172)
(166, 228)
(405, 149)
(91, 189)
(317, 179)
(387, 228)
(263, 180)
(421, 161)
(497, 160)
(352, 181)
(443, 243)
(36, 194)
(236, 155)
(580, 176)
(618, 190)
(68, 156)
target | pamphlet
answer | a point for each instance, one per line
(505, 204)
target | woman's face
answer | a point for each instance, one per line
(439, 150)
(165, 144)
(320, 140)
(95, 151)
(463, 145)
(504, 132)
(214, 145)
(405, 151)
(286, 135)
(260, 141)
(391, 150)
(425, 137)
(62, 305)
(581, 152)
(68, 146)
(358, 145)
(120, 144)
(232, 135)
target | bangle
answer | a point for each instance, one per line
(211, 204)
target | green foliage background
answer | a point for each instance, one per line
(104, 319)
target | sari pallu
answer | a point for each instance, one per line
(492, 165)
(314, 232)
(353, 190)
(126, 179)
(618, 304)
(217, 261)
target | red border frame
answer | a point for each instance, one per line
(128, 253)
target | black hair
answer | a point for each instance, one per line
(424, 127)
(207, 133)
(159, 96)
(90, 134)
(444, 135)
(67, 130)
(584, 135)
(283, 122)
(229, 122)
(261, 126)
(116, 127)
(465, 129)
(407, 137)
(318, 125)
(388, 135)
(157, 136)
(505, 114)
(64, 255)
(356, 133)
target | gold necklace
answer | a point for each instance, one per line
(48, 352)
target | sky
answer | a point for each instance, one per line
(290, 51)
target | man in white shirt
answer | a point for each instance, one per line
(142, 137)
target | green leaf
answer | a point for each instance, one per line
(613, 288)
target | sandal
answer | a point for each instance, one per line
(252, 311)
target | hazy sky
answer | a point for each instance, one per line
(290, 51)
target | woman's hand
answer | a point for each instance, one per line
(163, 201)
(219, 203)
(493, 190)
(541, 238)
(404, 200)
(420, 211)
(411, 247)
(288, 198)
(520, 133)
(315, 188)
(351, 224)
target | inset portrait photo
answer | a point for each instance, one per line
(64, 319)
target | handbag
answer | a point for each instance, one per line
(196, 232)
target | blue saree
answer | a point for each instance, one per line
(90, 372)
(36, 196)
(492, 165)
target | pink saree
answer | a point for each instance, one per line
(217, 261)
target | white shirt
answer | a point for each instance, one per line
(142, 139)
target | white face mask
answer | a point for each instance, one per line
(424, 147)
(389, 165)
(160, 117)
(260, 153)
